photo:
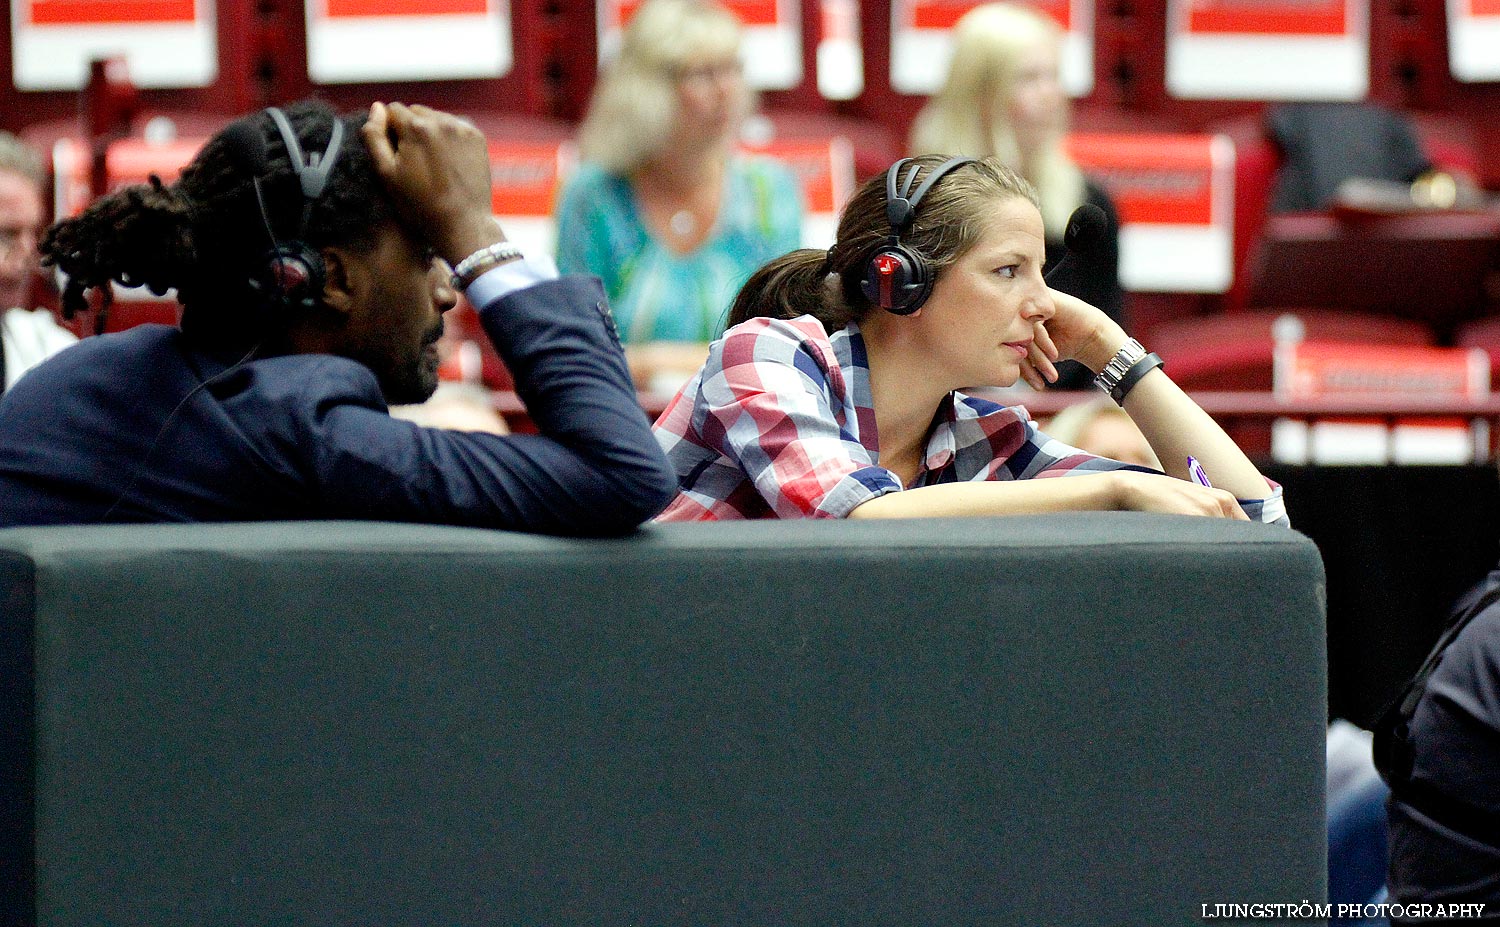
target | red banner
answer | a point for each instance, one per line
(823, 189)
(1269, 17)
(1157, 179)
(110, 12)
(133, 161)
(1060, 10)
(523, 178)
(1330, 370)
(944, 14)
(423, 8)
(750, 12)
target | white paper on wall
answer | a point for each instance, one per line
(1474, 39)
(1268, 49)
(351, 41)
(921, 45)
(772, 50)
(165, 43)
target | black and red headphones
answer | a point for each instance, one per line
(291, 274)
(894, 277)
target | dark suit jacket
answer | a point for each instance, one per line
(118, 428)
(1445, 813)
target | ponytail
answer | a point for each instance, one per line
(793, 285)
(138, 236)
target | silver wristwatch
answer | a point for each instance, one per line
(1128, 356)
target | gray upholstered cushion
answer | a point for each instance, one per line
(1091, 719)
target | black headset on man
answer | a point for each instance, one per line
(291, 274)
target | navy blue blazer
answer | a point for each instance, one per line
(97, 430)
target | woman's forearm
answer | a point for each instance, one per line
(1021, 497)
(1177, 428)
(1171, 421)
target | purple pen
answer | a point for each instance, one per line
(1195, 470)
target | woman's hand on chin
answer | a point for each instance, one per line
(1038, 368)
(1081, 332)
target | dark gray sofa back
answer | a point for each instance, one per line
(1092, 719)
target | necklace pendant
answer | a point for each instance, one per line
(682, 223)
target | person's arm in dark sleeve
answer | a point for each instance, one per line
(593, 470)
(558, 339)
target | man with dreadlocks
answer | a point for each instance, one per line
(314, 256)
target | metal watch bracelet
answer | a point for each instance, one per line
(1133, 376)
(1130, 352)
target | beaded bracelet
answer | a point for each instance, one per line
(469, 269)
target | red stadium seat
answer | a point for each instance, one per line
(1482, 333)
(1448, 142)
(1234, 351)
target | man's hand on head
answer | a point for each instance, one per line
(436, 168)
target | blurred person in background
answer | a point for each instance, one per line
(28, 335)
(1004, 98)
(663, 208)
(1103, 429)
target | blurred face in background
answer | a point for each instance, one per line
(1116, 437)
(711, 99)
(1037, 107)
(20, 228)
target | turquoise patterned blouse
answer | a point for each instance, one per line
(656, 294)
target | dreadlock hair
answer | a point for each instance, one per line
(825, 284)
(204, 235)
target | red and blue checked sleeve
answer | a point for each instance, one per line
(773, 399)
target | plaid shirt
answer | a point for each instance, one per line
(780, 423)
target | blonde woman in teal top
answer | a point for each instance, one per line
(663, 210)
(656, 292)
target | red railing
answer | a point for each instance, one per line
(1246, 416)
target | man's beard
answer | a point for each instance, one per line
(414, 382)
